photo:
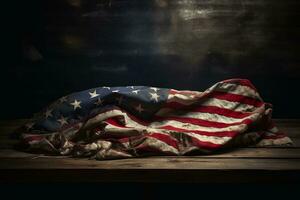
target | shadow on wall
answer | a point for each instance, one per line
(70, 45)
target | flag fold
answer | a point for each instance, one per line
(133, 121)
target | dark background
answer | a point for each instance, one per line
(55, 47)
(144, 191)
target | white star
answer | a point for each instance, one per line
(115, 91)
(120, 99)
(106, 88)
(48, 113)
(29, 125)
(98, 102)
(93, 94)
(154, 96)
(62, 121)
(154, 88)
(63, 99)
(135, 91)
(76, 104)
(139, 108)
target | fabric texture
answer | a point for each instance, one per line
(133, 121)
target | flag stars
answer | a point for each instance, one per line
(48, 113)
(98, 102)
(76, 104)
(135, 91)
(62, 120)
(93, 94)
(139, 108)
(154, 96)
(63, 99)
(106, 87)
(154, 88)
(29, 125)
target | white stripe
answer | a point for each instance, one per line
(123, 130)
(156, 125)
(154, 142)
(193, 127)
(112, 113)
(203, 138)
(102, 116)
(182, 97)
(274, 142)
(238, 89)
(274, 129)
(161, 145)
(211, 139)
(187, 92)
(236, 106)
(223, 87)
(207, 116)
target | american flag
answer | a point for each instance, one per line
(132, 121)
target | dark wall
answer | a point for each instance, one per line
(59, 46)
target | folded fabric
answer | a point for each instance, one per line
(134, 121)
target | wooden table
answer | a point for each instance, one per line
(280, 164)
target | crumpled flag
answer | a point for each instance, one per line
(134, 121)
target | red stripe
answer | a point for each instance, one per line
(221, 111)
(115, 122)
(194, 121)
(204, 145)
(171, 128)
(223, 96)
(275, 136)
(168, 139)
(201, 122)
(243, 82)
(30, 138)
(131, 138)
(235, 98)
(210, 109)
(174, 143)
(137, 120)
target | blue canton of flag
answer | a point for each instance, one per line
(141, 101)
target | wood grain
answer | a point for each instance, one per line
(241, 153)
(151, 170)
(171, 163)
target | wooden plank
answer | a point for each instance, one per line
(151, 170)
(152, 163)
(273, 153)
